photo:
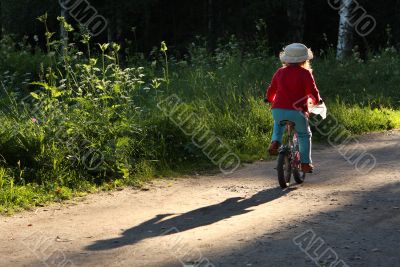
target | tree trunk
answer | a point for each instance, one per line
(396, 30)
(242, 14)
(115, 29)
(110, 31)
(147, 26)
(1, 21)
(210, 25)
(119, 37)
(346, 31)
(111, 22)
(296, 16)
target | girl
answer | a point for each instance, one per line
(291, 88)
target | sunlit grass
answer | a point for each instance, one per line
(113, 110)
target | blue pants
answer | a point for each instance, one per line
(302, 128)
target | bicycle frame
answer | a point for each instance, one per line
(291, 146)
(289, 163)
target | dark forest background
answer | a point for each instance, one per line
(148, 22)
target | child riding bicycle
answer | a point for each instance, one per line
(291, 88)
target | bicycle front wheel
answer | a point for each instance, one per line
(284, 170)
(298, 175)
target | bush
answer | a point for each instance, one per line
(89, 121)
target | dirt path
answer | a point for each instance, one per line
(240, 220)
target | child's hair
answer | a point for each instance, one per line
(306, 64)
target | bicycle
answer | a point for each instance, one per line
(289, 158)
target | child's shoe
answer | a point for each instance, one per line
(307, 167)
(273, 149)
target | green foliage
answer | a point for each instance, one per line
(87, 121)
(19, 60)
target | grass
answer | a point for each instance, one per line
(88, 126)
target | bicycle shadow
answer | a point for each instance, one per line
(157, 226)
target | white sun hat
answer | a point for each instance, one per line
(296, 53)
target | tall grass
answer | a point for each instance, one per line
(85, 109)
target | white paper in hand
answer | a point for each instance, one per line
(321, 109)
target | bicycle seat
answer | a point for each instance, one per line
(290, 123)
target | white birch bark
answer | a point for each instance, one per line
(346, 29)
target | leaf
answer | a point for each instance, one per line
(35, 96)
(117, 88)
(164, 47)
(55, 93)
(68, 27)
(42, 18)
(44, 85)
(115, 106)
(100, 87)
(93, 61)
(104, 47)
(49, 35)
(85, 38)
(53, 90)
(110, 57)
(124, 170)
(123, 142)
(80, 100)
(116, 47)
(104, 97)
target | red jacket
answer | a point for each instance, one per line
(291, 87)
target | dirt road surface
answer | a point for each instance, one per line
(339, 217)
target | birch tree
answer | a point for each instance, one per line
(346, 30)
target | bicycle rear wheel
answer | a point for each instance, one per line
(284, 170)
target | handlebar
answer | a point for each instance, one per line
(266, 101)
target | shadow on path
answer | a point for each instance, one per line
(363, 233)
(160, 225)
